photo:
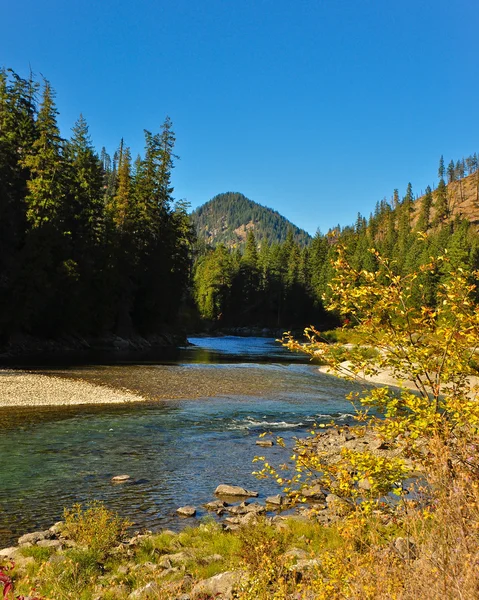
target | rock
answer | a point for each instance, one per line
(138, 539)
(216, 505)
(256, 508)
(265, 443)
(165, 563)
(364, 484)
(55, 544)
(405, 548)
(186, 511)
(234, 490)
(8, 552)
(240, 509)
(56, 528)
(313, 492)
(219, 586)
(276, 501)
(212, 558)
(337, 506)
(32, 538)
(179, 558)
(150, 590)
(120, 478)
(295, 553)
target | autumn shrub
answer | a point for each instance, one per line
(94, 527)
(425, 543)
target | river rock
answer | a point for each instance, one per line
(186, 511)
(33, 538)
(120, 478)
(313, 492)
(216, 505)
(55, 544)
(276, 501)
(265, 443)
(221, 586)
(234, 490)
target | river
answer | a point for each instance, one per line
(207, 405)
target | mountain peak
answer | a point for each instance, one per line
(229, 216)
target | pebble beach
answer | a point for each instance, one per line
(21, 388)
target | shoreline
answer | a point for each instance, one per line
(20, 389)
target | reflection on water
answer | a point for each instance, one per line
(198, 430)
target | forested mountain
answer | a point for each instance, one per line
(88, 246)
(284, 284)
(227, 218)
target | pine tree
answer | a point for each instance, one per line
(451, 172)
(423, 221)
(45, 187)
(441, 204)
(441, 170)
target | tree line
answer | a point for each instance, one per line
(286, 284)
(88, 245)
(95, 244)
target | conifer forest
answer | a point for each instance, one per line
(96, 243)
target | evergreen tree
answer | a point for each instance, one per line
(423, 221)
(441, 172)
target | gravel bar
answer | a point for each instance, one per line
(20, 388)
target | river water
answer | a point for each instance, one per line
(207, 404)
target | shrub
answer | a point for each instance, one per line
(94, 527)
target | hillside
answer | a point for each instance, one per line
(462, 200)
(228, 217)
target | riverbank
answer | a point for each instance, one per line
(23, 389)
(26, 347)
(405, 554)
(385, 377)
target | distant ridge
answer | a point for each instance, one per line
(227, 218)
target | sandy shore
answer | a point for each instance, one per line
(385, 377)
(19, 388)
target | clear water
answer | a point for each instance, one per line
(206, 407)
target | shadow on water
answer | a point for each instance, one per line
(197, 430)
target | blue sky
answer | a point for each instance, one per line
(317, 109)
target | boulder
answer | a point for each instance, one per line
(219, 586)
(186, 511)
(234, 490)
(33, 538)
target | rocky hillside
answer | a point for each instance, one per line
(228, 217)
(463, 199)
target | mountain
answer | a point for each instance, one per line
(227, 217)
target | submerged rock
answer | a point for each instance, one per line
(234, 490)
